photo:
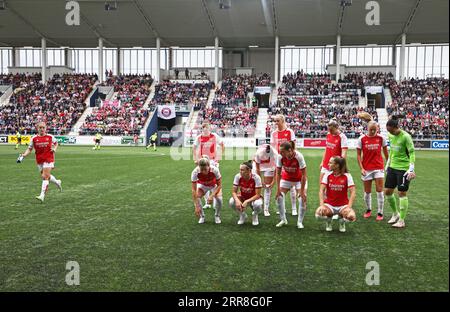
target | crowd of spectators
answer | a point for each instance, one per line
(424, 105)
(59, 103)
(235, 88)
(182, 94)
(309, 101)
(129, 115)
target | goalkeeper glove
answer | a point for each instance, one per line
(409, 174)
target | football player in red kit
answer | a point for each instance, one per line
(291, 173)
(246, 193)
(45, 146)
(333, 195)
(206, 179)
(279, 136)
(370, 150)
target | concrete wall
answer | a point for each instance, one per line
(262, 60)
(51, 70)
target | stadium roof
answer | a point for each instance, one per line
(195, 23)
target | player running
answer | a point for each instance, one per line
(45, 146)
(333, 195)
(98, 139)
(206, 178)
(278, 137)
(369, 152)
(400, 171)
(246, 193)
(291, 172)
(336, 145)
(153, 139)
(265, 167)
(19, 139)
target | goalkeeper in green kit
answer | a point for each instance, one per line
(399, 171)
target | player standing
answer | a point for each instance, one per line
(19, 139)
(206, 178)
(333, 195)
(207, 143)
(291, 172)
(98, 139)
(246, 193)
(336, 145)
(153, 139)
(400, 170)
(278, 137)
(45, 146)
(265, 167)
(369, 152)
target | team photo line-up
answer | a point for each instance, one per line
(282, 164)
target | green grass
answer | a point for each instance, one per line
(126, 217)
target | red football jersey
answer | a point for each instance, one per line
(208, 179)
(247, 187)
(291, 168)
(337, 188)
(371, 148)
(334, 146)
(279, 137)
(207, 145)
(42, 146)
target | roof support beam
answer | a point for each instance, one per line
(275, 19)
(210, 20)
(408, 21)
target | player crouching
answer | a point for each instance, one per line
(249, 186)
(335, 186)
(45, 146)
(206, 178)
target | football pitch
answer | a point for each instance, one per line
(126, 216)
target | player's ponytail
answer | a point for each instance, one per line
(393, 121)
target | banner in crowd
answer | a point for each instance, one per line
(3, 139)
(441, 144)
(422, 144)
(314, 143)
(110, 103)
(130, 140)
(12, 139)
(62, 139)
(374, 89)
(166, 111)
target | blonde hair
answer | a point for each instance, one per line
(283, 120)
(203, 162)
(333, 123)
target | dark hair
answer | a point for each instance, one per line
(268, 148)
(393, 121)
(288, 145)
(342, 163)
(248, 163)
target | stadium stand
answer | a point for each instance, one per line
(180, 94)
(424, 103)
(59, 103)
(129, 116)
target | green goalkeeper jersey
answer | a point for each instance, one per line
(401, 152)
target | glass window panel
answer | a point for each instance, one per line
(208, 58)
(437, 61)
(310, 61)
(295, 60)
(368, 57)
(288, 60)
(201, 58)
(303, 55)
(376, 56)
(153, 59)
(317, 60)
(352, 56)
(186, 58)
(384, 55)
(344, 56)
(360, 56)
(411, 65)
(220, 58)
(193, 58)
